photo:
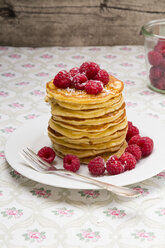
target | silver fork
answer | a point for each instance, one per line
(38, 164)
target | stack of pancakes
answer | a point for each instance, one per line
(87, 125)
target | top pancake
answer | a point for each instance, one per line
(111, 90)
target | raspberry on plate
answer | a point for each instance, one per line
(102, 76)
(128, 161)
(71, 163)
(47, 154)
(93, 87)
(154, 58)
(155, 72)
(62, 79)
(78, 81)
(74, 71)
(97, 166)
(134, 139)
(90, 69)
(135, 151)
(114, 166)
(132, 131)
(146, 145)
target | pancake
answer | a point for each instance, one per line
(87, 125)
(104, 155)
(60, 111)
(72, 106)
(79, 134)
(91, 121)
(57, 136)
(112, 89)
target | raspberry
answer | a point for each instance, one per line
(47, 154)
(160, 84)
(62, 79)
(102, 76)
(128, 161)
(155, 72)
(90, 69)
(78, 81)
(71, 163)
(93, 87)
(114, 166)
(132, 131)
(162, 64)
(154, 58)
(134, 139)
(135, 151)
(146, 145)
(160, 46)
(97, 166)
(74, 71)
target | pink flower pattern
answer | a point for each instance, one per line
(114, 213)
(3, 93)
(37, 93)
(41, 192)
(8, 74)
(88, 235)
(7, 129)
(22, 83)
(16, 105)
(63, 212)
(34, 236)
(142, 191)
(2, 154)
(28, 65)
(89, 193)
(46, 56)
(12, 213)
(144, 235)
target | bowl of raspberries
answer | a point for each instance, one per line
(154, 34)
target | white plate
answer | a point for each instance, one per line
(33, 134)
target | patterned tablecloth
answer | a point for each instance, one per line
(36, 215)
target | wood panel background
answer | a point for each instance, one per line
(75, 22)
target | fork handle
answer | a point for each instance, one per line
(119, 190)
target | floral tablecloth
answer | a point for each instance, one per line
(40, 216)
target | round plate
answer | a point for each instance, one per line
(33, 134)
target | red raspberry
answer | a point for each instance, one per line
(162, 64)
(160, 46)
(93, 87)
(146, 145)
(132, 131)
(114, 165)
(135, 151)
(74, 71)
(71, 163)
(62, 79)
(155, 72)
(102, 76)
(160, 84)
(154, 58)
(128, 161)
(78, 81)
(134, 139)
(90, 69)
(47, 154)
(97, 166)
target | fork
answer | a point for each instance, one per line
(39, 165)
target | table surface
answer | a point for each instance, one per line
(37, 215)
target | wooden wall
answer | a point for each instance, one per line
(75, 22)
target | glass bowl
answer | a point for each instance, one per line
(154, 44)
